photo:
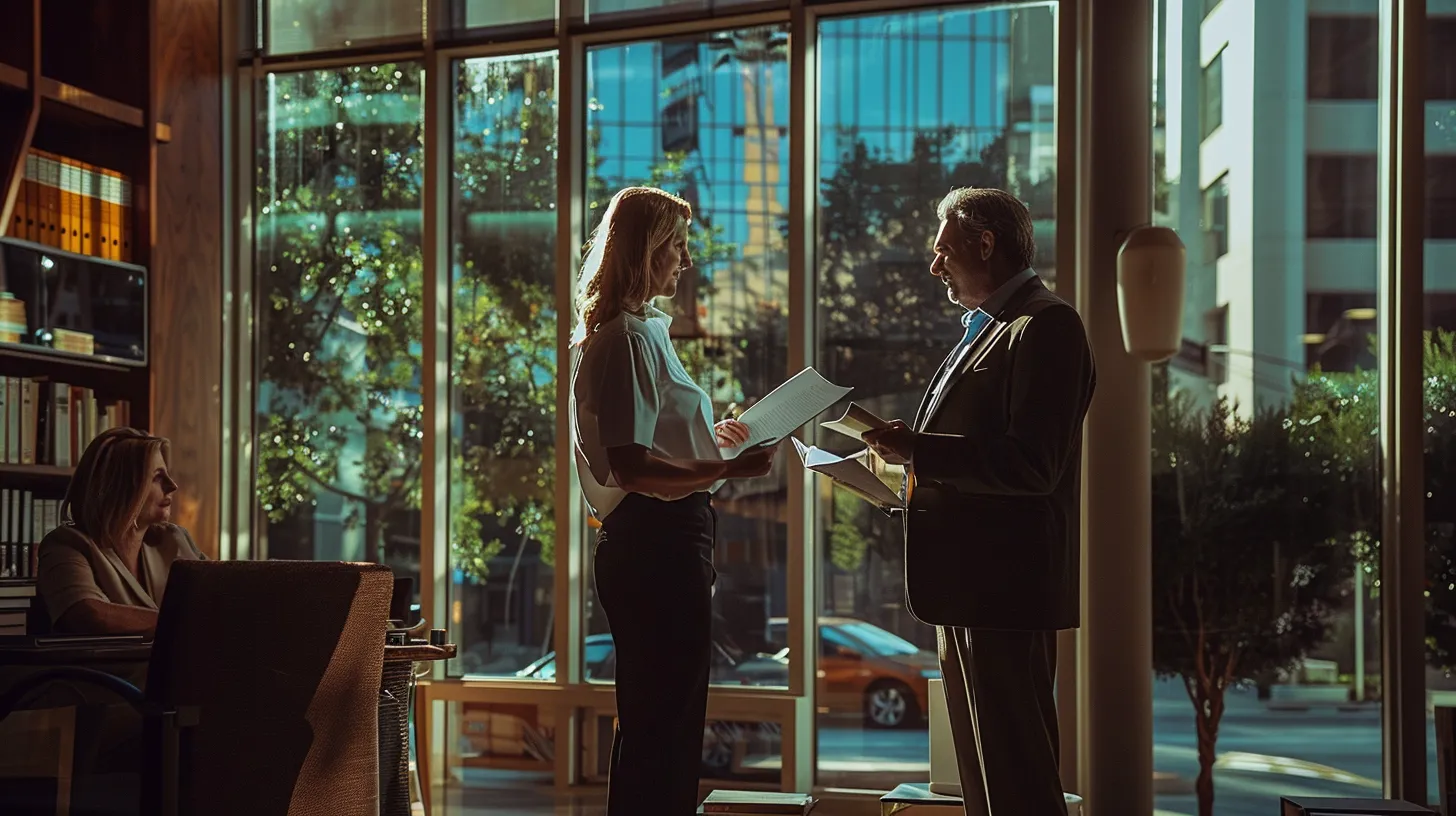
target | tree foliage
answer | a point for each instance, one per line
(342, 335)
(339, 199)
(1340, 414)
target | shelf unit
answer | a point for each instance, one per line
(79, 79)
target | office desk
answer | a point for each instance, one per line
(129, 662)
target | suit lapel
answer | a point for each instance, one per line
(1009, 314)
(969, 356)
(930, 388)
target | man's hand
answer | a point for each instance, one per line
(895, 443)
(731, 433)
(754, 462)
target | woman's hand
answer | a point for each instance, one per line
(752, 463)
(731, 433)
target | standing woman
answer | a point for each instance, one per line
(647, 453)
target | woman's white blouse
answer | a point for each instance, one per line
(629, 387)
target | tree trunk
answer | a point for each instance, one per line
(1208, 701)
(373, 530)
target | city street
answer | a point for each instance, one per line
(1262, 754)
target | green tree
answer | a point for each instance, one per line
(1247, 559)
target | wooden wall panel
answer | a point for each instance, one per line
(186, 320)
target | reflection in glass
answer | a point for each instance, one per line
(494, 13)
(503, 362)
(1265, 489)
(339, 277)
(705, 117)
(899, 126)
(301, 26)
(597, 10)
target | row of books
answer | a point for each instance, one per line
(75, 206)
(51, 423)
(24, 521)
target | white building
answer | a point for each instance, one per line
(1270, 134)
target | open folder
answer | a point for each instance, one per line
(855, 422)
(798, 400)
(854, 473)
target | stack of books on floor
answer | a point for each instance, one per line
(15, 600)
(757, 803)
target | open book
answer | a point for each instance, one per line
(798, 400)
(855, 473)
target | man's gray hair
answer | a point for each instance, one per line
(985, 209)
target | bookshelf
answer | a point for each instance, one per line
(78, 85)
(78, 167)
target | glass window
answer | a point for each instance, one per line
(1265, 503)
(898, 129)
(1440, 58)
(503, 362)
(706, 117)
(1439, 385)
(339, 277)
(1440, 198)
(1344, 57)
(1341, 196)
(301, 26)
(494, 13)
(1213, 95)
(598, 11)
(1215, 220)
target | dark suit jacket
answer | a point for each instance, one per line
(993, 525)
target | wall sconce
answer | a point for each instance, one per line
(1151, 266)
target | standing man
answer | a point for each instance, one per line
(993, 519)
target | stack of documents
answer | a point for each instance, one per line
(800, 399)
(863, 474)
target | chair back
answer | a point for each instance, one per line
(282, 661)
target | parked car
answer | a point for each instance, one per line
(863, 669)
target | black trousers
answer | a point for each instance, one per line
(1003, 717)
(654, 577)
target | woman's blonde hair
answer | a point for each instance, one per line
(110, 484)
(617, 270)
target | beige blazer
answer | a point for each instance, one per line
(73, 568)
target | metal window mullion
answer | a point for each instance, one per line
(239, 318)
(570, 581)
(434, 383)
(435, 342)
(799, 737)
(1401, 239)
(1067, 192)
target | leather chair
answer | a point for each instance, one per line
(262, 689)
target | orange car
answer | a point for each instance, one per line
(867, 670)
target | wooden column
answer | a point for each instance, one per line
(186, 268)
(1115, 649)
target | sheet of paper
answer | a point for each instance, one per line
(797, 401)
(850, 472)
(856, 421)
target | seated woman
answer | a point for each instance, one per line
(103, 571)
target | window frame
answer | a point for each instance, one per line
(571, 698)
